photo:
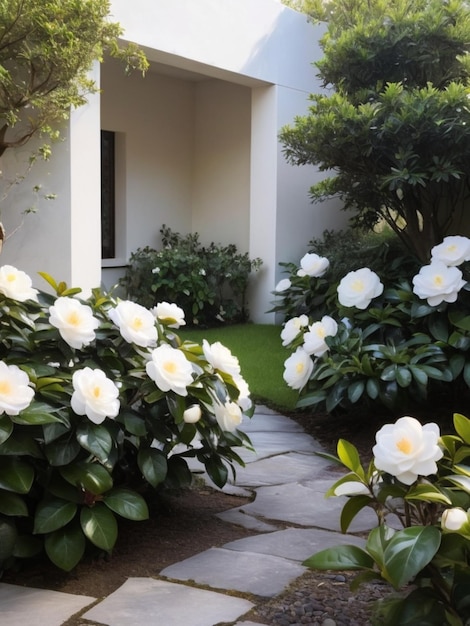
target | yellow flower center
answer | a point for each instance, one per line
(97, 392)
(73, 318)
(299, 368)
(321, 332)
(357, 285)
(405, 445)
(170, 367)
(137, 323)
(451, 248)
(11, 278)
(438, 280)
(5, 388)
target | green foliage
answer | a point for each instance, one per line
(208, 282)
(428, 553)
(398, 352)
(47, 48)
(395, 132)
(66, 475)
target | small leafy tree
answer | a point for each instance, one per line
(394, 135)
(47, 48)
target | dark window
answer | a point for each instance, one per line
(108, 208)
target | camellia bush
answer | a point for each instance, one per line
(101, 405)
(379, 340)
(418, 484)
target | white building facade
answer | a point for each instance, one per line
(195, 145)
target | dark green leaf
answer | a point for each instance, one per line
(135, 424)
(6, 428)
(62, 451)
(66, 546)
(127, 503)
(352, 507)
(99, 526)
(91, 476)
(216, 470)
(15, 475)
(408, 552)
(12, 504)
(27, 546)
(96, 439)
(153, 465)
(52, 515)
(8, 536)
(340, 558)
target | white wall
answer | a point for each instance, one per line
(221, 170)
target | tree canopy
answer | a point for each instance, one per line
(47, 48)
(392, 127)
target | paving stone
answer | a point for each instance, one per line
(293, 543)
(248, 624)
(270, 422)
(279, 469)
(240, 518)
(157, 603)
(272, 443)
(22, 605)
(305, 504)
(249, 572)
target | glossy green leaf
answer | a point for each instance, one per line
(62, 489)
(217, 471)
(66, 546)
(127, 503)
(353, 506)
(91, 476)
(21, 444)
(461, 481)
(408, 552)
(135, 425)
(403, 376)
(179, 474)
(6, 428)
(355, 391)
(27, 546)
(12, 504)
(377, 541)
(347, 557)
(427, 492)
(53, 514)
(176, 405)
(99, 526)
(15, 475)
(153, 465)
(462, 427)
(62, 451)
(349, 456)
(96, 439)
(52, 432)
(36, 414)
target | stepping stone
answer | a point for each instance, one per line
(248, 572)
(248, 624)
(240, 518)
(277, 470)
(270, 422)
(305, 504)
(149, 601)
(272, 443)
(294, 543)
(22, 605)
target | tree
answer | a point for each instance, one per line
(394, 134)
(47, 48)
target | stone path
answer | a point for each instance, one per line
(221, 585)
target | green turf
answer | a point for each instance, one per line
(261, 355)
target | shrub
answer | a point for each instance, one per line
(208, 283)
(418, 486)
(101, 403)
(395, 342)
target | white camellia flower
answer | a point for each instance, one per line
(358, 288)
(314, 339)
(292, 328)
(169, 314)
(313, 265)
(220, 357)
(170, 369)
(438, 283)
(228, 415)
(15, 392)
(283, 285)
(454, 250)
(136, 323)
(407, 449)
(94, 395)
(16, 284)
(243, 400)
(297, 369)
(74, 320)
(453, 519)
(192, 414)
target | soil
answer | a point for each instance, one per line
(183, 524)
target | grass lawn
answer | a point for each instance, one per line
(261, 355)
